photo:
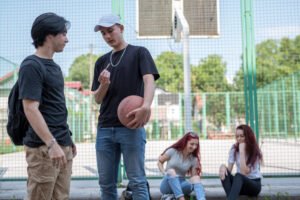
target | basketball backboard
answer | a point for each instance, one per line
(155, 18)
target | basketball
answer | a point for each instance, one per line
(127, 105)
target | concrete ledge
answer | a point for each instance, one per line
(273, 188)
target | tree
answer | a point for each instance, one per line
(79, 70)
(267, 62)
(274, 59)
(170, 67)
(210, 75)
(277, 62)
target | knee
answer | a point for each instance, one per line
(138, 180)
(238, 176)
(195, 179)
(135, 184)
(107, 186)
(171, 172)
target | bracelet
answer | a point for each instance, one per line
(53, 140)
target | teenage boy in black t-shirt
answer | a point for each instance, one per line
(126, 70)
(48, 144)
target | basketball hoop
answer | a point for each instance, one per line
(179, 23)
(156, 18)
(177, 28)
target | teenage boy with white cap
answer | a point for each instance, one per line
(126, 70)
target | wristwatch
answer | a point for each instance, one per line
(53, 140)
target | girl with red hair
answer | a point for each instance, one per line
(247, 156)
(183, 158)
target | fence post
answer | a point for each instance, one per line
(294, 106)
(276, 110)
(283, 93)
(262, 110)
(249, 65)
(227, 111)
(269, 112)
(180, 114)
(117, 7)
(204, 131)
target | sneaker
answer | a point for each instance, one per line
(168, 197)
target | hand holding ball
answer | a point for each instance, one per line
(127, 105)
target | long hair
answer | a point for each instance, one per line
(252, 149)
(182, 143)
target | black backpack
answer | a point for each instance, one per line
(17, 123)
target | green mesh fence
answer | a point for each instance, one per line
(279, 108)
(217, 81)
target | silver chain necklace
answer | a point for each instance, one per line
(112, 52)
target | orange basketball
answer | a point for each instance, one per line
(126, 105)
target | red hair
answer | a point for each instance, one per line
(252, 149)
(182, 143)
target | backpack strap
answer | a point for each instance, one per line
(43, 67)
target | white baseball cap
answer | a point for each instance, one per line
(107, 21)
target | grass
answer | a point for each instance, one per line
(279, 196)
(7, 147)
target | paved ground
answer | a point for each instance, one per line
(280, 157)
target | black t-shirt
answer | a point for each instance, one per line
(45, 85)
(125, 79)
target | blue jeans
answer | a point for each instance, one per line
(110, 144)
(179, 186)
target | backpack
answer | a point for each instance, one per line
(17, 123)
(127, 193)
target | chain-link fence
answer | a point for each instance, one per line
(217, 92)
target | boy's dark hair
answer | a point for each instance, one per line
(47, 24)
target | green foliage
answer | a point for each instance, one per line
(279, 196)
(238, 80)
(237, 107)
(274, 59)
(80, 69)
(277, 75)
(215, 106)
(170, 67)
(10, 148)
(209, 75)
(279, 99)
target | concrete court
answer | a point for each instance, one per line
(280, 157)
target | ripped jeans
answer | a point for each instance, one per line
(179, 186)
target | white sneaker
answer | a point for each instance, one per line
(168, 197)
